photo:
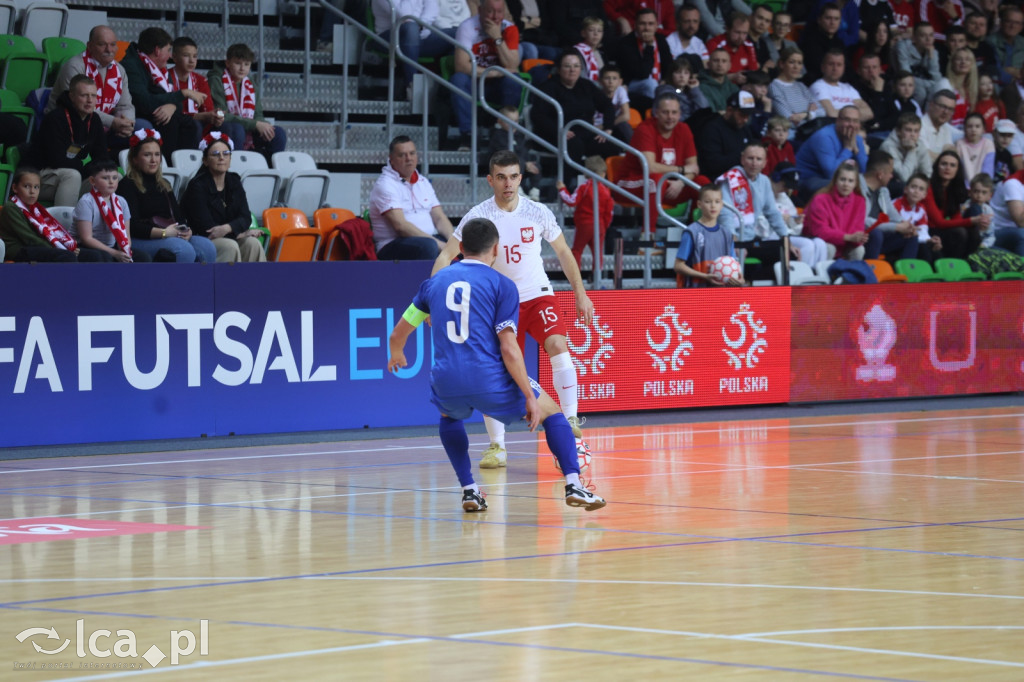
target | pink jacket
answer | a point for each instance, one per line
(831, 217)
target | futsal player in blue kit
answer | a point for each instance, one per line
(474, 311)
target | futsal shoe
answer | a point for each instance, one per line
(494, 457)
(576, 423)
(576, 496)
(473, 501)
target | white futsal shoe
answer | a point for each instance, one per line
(576, 496)
(494, 457)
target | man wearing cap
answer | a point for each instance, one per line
(1008, 155)
(724, 136)
(748, 190)
(823, 151)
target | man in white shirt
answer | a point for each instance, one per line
(685, 40)
(407, 219)
(1008, 214)
(937, 134)
(522, 224)
(832, 94)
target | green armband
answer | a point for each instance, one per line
(414, 315)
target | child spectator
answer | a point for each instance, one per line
(703, 241)
(590, 48)
(611, 85)
(185, 54)
(583, 201)
(235, 94)
(836, 214)
(785, 182)
(683, 83)
(988, 105)
(101, 218)
(29, 232)
(909, 155)
(903, 89)
(976, 150)
(1006, 163)
(982, 189)
(911, 210)
(777, 143)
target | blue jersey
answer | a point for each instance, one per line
(469, 303)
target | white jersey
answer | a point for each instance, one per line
(519, 235)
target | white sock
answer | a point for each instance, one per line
(563, 376)
(473, 487)
(573, 479)
(495, 430)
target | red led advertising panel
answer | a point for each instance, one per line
(901, 340)
(679, 348)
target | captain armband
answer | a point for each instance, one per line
(414, 315)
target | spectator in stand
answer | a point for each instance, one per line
(537, 36)
(183, 76)
(819, 38)
(567, 18)
(703, 242)
(28, 230)
(156, 100)
(936, 132)
(158, 223)
(873, 13)
(976, 28)
(624, 13)
(790, 97)
(941, 14)
(236, 95)
(1007, 162)
(614, 90)
(919, 56)
(742, 55)
(886, 232)
(757, 85)
(977, 151)
(414, 42)
(947, 192)
(101, 218)
(723, 137)
(1008, 214)
(904, 15)
(878, 42)
(70, 136)
(715, 83)
(911, 209)
(956, 38)
(904, 146)
(778, 148)
(760, 29)
(451, 13)
(579, 98)
(114, 104)
(684, 84)
(685, 40)
(488, 39)
(216, 206)
(1008, 44)
(988, 105)
(903, 85)
(505, 138)
(771, 44)
(590, 48)
(849, 21)
(667, 144)
(713, 14)
(644, 57)
(875, 93)
(836, 214)
(981, 189)
(962, 79)
(583, 217)
(824, 151)
(832, 94)
(408, 221)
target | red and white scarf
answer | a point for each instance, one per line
(656, 71)
(109, 87)
(742, 196)
(113, 216)
(589, 62)
(247, 107)
(156, 74)
(46, 225)
(190, 84)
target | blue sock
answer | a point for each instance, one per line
(456, 446)
(559, 436)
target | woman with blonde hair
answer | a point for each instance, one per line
(836, 214)
(961, 78)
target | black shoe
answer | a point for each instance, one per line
(465, 142)
(576, 496)
(473, 501)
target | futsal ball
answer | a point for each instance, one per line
(583, 455)
(725, 268)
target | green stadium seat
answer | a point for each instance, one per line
(58, 50)
(956, 270)
(23, 73)
(917, 270)
(9, 44)
(1007, 275)
(10, 104)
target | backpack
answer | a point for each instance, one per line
(852, 272)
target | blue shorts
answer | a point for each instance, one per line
(506, 405)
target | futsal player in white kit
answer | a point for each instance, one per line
(522, 224)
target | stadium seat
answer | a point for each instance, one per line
(10, 104)
(306, 190)
(883, 271)
(122, 50)
(956, 270)
(821, 269)
(242, 161)
(290, 162)
(8, 12)
(63, 215)
(187, 161)
(177, 179)
(325, 220)
(58, 49)
(917, 270)
(1007, 275)
(799, 274)
(291, 237)
(635, 118)
(23, 73)
(44, 19)
(261, 189)
(10, 43)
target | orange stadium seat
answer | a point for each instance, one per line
(325, 220)
(122, 49)
(635, 118)
(291, 237)
(614, 164)
(883, 271)
(532, 63)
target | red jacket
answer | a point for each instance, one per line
(938, 221)
(777, 155)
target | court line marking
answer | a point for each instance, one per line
(774, 427)
(809, 645)
(823, 631)
(867, 472)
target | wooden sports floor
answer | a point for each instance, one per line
(885, 546)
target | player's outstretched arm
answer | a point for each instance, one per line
(584, 306)
(447, 255)
(396, 345)
(513, 359)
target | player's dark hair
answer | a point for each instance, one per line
(401, 139)
(479, 236)
(503, 158)
(707, 189)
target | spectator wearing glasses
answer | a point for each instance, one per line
(824, 151)
(937, 134)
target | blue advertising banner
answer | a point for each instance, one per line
(108, 352)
